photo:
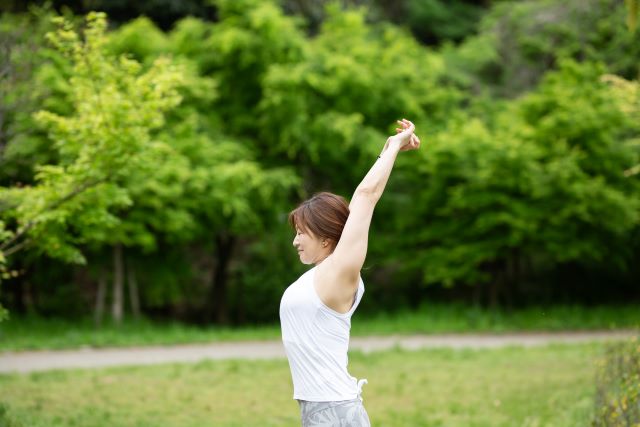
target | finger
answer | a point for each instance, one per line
(404, 122)
(411, 126)
(414, 142)
(408, 125)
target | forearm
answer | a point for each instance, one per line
(350, 252)
(374, 182)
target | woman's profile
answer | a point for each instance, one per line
(316, 310)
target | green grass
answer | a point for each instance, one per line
(541, 386)
(37, 333)
(461, 319)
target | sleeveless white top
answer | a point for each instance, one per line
(316, 340)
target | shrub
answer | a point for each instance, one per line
(618, 386)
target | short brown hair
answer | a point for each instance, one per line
(324, 215)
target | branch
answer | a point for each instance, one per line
(15, 248)
(6, 246)
(632, 171)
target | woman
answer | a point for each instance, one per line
(316, 310)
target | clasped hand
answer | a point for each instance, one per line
(405, 139)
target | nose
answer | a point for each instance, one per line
(295, 240)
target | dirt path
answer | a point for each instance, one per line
(30, 361)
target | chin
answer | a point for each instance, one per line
(305, 261)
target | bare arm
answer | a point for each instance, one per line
(339, 274)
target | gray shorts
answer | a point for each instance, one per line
(344, 413)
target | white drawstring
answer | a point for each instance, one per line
(360, 384)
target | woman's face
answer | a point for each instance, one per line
(311, 249)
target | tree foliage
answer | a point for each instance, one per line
(547, 180)
(519, 42)
(168, 160)
(116, 106)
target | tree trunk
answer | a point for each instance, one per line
(496, 284)
(511, 280)
(118, 281)
(101, 295)
(241, 314)
(493, 294)
(134, 295)
(17, 289)
(218, 298)
(477, 295)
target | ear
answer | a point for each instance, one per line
(326, 243)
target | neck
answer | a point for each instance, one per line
(322, 258)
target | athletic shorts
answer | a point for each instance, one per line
(345, 413)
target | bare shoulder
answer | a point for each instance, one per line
(335, 289)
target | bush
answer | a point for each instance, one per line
(618, 386)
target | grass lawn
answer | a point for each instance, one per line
(541, 386)
(37, 333)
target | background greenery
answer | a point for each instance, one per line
(149, 156)
(150, 152)
(618, 385)
(40, 333)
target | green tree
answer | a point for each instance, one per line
(518, 42)
(24, 89)
(545, 181)
(116, 105)
(217, 193)
(330, 111)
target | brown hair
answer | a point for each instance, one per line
(324, 215)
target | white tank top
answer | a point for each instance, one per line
(316, 340)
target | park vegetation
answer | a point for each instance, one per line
(617, 401)
(148, 168)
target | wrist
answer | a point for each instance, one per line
(392, 144)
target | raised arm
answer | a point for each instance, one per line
(339, 274)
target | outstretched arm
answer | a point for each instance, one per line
(341, 270)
